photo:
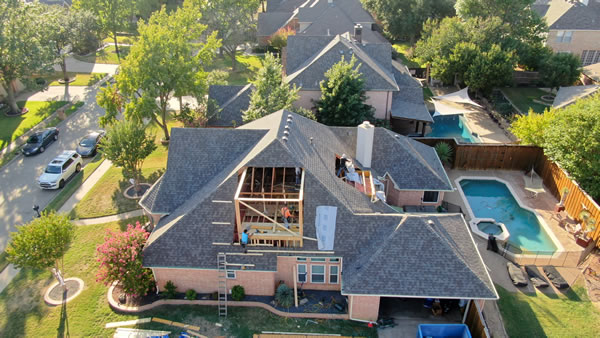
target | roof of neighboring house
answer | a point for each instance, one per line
(232, 101)
(566, 15)
(592, 71)
(352, 9)
(307, 73)
(271, 22)
(284, 5)
(408, 102)
(568, 95)
(424, 256)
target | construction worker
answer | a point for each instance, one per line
(287, 216)
(245, 239)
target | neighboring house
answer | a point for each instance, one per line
(317, 18)
(591, 74)
(409, 115)
(342, 235)
(574, 27)
(569, 95)
(230, 101)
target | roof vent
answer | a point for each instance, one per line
(397, 136)
(342, 52)
(286, 133)
(311, 140)
(290, 116)
(284, 139)
(289, 121)
(430, 222)
(287, 126)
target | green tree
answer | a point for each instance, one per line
(112, 101)
(530, 128)
(279, 39)
(234, 21)
(23, 48)
(86, 30)
(343, 96)
(162, 65)
(490, 69)
(403, 19)
(271, 93)
(127, 145)
(114, 16)
(560, 69)
(41, 243)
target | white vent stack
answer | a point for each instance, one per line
(364, 143)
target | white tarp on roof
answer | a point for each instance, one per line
(442, 108)
(461, 96)
(325, 224)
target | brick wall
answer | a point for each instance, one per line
(403, 197)
(285, 273)
(580, 41)
(364, 307)
(257, 283)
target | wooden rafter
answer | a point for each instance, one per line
(252, 181)
(273, 179)
(269, 218)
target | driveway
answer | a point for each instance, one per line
(74, 65)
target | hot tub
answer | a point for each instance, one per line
(488, 226)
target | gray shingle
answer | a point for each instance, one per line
(568, 95)
(407, 103)
(569, 15)
(232, 102)
(269, 23)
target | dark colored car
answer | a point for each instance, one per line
(88, 146)
(39, 141)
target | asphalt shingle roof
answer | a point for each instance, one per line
(569, 15)
(271, 22)
(568, 95)
(365, 236)
(408, 102)
(232, 102)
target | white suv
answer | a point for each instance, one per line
(60, 169)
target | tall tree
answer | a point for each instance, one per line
(343, 96)
(271, 93)
(65, 27)
(561, 69)
(41, 243)
(127, 145)
(112, 101)
(23, 48)
(234, 21)
(403, 19)
(114, 16)
(161, 64)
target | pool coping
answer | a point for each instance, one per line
(465, 121)
(541, 220)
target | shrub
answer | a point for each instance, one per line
(238, 293)
(190, 294)
(444, 152)
(170, 290)
(284, 296)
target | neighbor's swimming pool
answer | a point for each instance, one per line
(452, 126)
(492, 199)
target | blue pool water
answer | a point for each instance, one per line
(492, 199)
(449, 126)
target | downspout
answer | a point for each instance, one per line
(464, 319)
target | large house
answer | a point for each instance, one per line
(316, 18)
(344, 187)
(574, 27)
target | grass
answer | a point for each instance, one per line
(77, 180)
(121, 39)
(68, 112)
(247, 65)
(24, 314)
(11, 127)
(540, 315)
(105, 55)
(523, 98)
(427, 94)
(106, 197)
(403, 51)
(81, 79)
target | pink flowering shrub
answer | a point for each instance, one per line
(120, 258)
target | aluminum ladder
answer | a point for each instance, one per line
(222, 273)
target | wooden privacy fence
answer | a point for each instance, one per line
(480, 156)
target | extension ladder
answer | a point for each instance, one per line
(222, 289)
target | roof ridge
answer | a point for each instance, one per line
(313, 58)
(237, 95)
(373, 64)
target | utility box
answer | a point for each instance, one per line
(443, 330)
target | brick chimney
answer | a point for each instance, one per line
(358, 33)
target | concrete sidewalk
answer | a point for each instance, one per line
(111, 218)
(76, 66)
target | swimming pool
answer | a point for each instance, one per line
(490, 198)
(452, 126)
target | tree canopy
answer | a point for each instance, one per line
(271, 93)
(570, 136)
(560, 69)
(403, 19)
(41, 243)
(343, 96)
(24, 50)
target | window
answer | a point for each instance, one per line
(318, 260)
(301, 273)
(317, 273)
(564, 36)
(589, 57)
(230, 274)
(430, 196)
(333, 274)
(67, 164)
(301, 259)
(334, 260)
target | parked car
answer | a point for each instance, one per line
(39, 141)
(60, 169)
(88, 146)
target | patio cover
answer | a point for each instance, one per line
(442, 108)
(461, 96)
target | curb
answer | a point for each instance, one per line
(135, 309)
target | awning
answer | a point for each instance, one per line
(461, 96)
(442, 108)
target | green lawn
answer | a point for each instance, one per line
(403, 51)
(121, 39)
(247, 65)
(105, 55)
(23, 312)
(14, 126)
(541, 315)
(106, 197)
(427, 94)
(523, 98)
(81, 79)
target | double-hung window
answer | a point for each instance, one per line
(317, 273)
(334, 272)
(230, 274)
(301, 273)
(564, 36)
(431, 196)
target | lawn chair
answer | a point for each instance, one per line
(574, 229)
